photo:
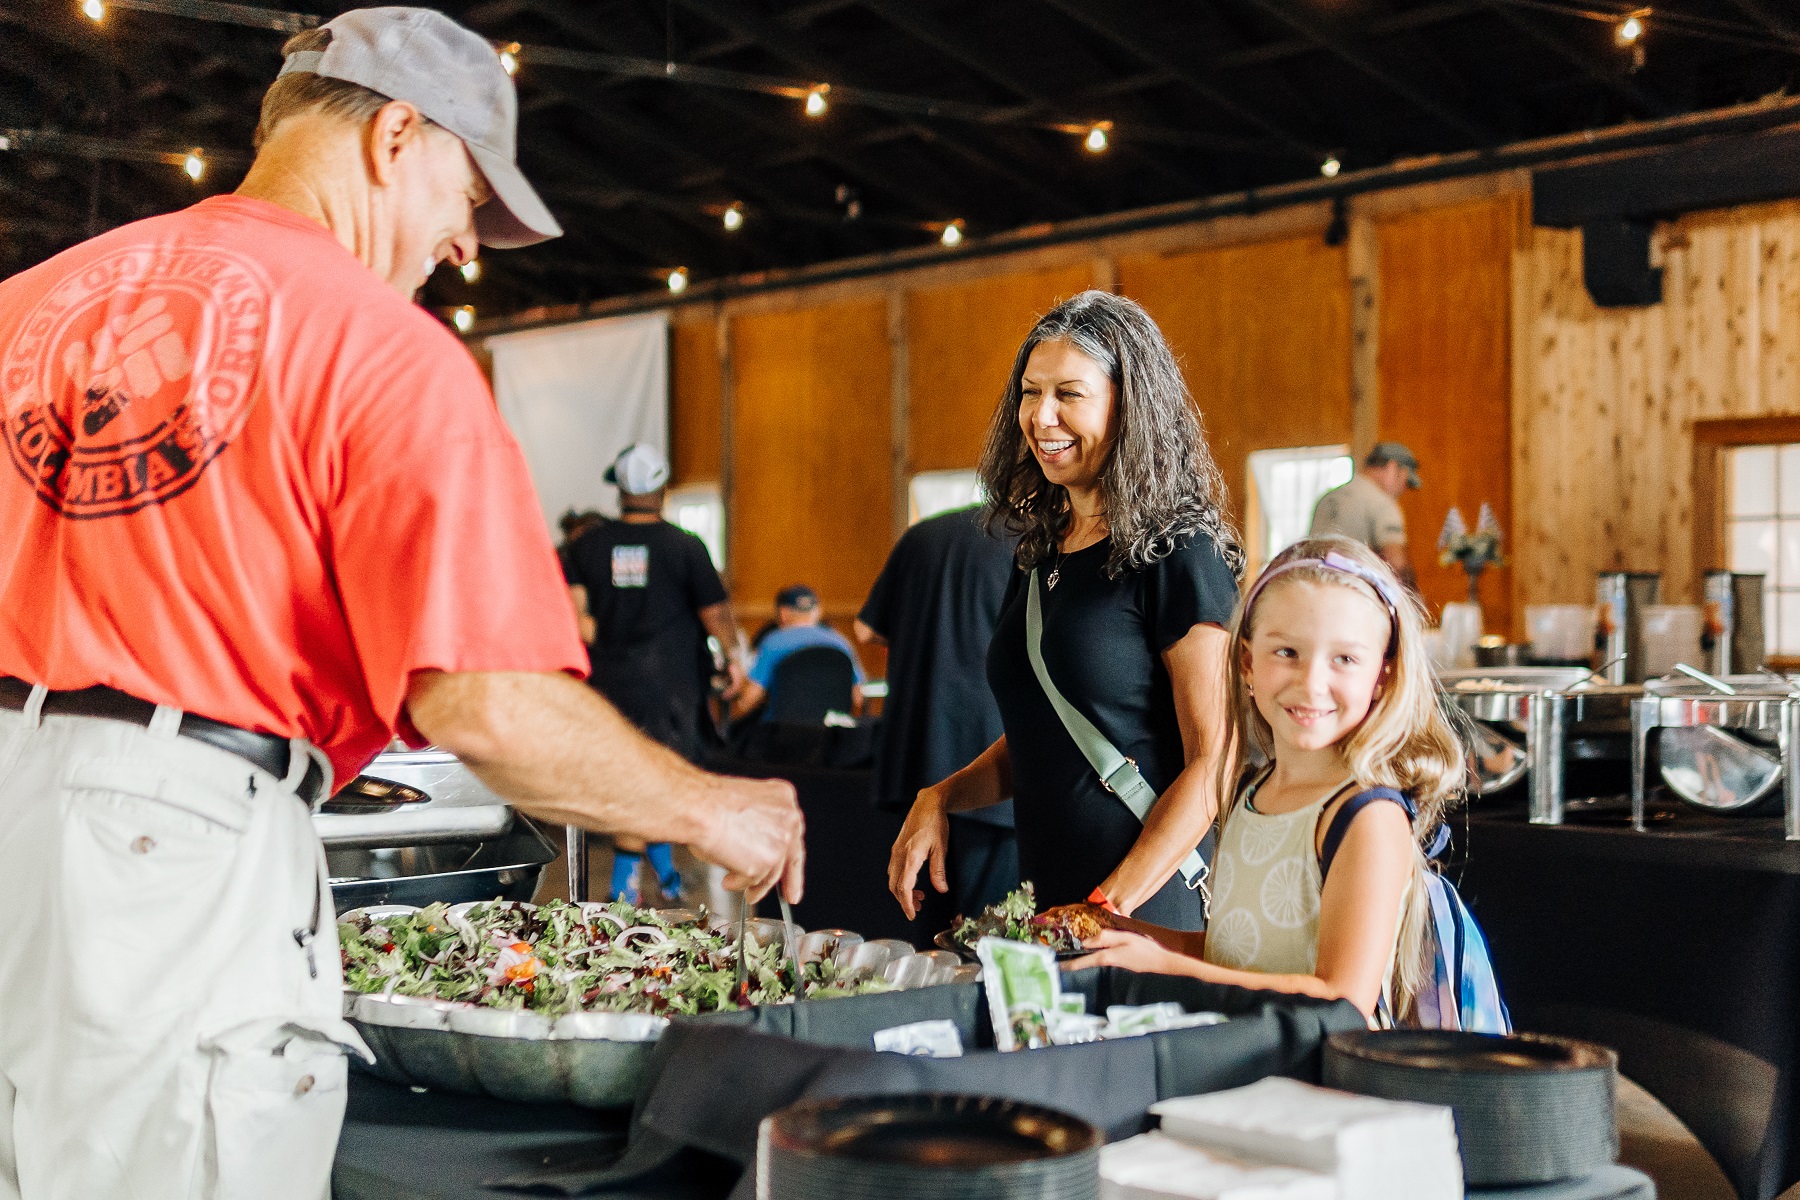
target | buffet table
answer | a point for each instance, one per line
(1678, 946)
(711, 1081)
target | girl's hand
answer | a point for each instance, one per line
(1084, 920)
(925, 838)
(1134, 952)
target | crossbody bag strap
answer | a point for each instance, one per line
(1118, 774)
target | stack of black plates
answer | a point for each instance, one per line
(925, 1147)
(1530, 1109)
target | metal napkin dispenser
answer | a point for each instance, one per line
(1733, 632)
(1619, 633)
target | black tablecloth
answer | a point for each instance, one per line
(1679, 947)
(403, 1145)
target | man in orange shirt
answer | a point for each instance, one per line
(259, 516)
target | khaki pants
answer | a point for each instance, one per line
(164, 1034)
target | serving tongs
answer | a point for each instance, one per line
(741, 993)
(790, 937)
(1711, 681)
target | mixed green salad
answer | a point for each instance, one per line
(559, 958)
(1017, 919)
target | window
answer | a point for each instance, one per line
(698, 509)
(1762, 533)
(934, 492)
(1286, 486)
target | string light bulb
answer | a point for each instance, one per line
(1330, 167)
(1098, 139)
(816, 103)
(194, 165)
(509, 58)
(463, 318)
(953, 234)
(678, 280)
(1631, 29)
(93, 10)
(471, 270)
(733, 217)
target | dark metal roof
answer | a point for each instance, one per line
(1204, 96)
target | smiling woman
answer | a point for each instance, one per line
(1096, 458)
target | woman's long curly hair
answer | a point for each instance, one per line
(1159, 483)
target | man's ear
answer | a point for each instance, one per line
(395, 127)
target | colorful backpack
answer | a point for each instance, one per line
(1461, 992)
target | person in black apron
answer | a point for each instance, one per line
(647, 595)
(1097, 461)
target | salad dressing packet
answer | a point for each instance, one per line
(925, 1039)
(1023, 987)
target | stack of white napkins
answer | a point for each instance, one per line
(1280, 1139)
(1154, 1166)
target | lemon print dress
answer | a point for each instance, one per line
(1265, 891)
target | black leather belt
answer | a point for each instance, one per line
(261, 750)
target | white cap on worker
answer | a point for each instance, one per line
(639, 470)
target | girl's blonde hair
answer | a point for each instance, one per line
(1405, 742)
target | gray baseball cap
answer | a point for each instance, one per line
(453, 77)
(1383, 453)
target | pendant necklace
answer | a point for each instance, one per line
(1055, 572)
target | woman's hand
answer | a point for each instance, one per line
(1134, 952)
(925, 838)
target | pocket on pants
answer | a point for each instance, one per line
(275, 1115)
(142, 882)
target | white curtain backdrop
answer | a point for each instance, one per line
(576, 395)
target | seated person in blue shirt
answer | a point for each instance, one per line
(799, 624)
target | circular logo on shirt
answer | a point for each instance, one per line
(132, 375)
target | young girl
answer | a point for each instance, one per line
(1333, 683)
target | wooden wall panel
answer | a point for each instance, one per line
(961, 342)
(1263, 334)
(1444, 370)
(694, 414)
(811, 435)
(1605, 400)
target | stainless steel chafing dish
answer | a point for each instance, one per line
(1745, 714)
(1530, 721)
(416, 827)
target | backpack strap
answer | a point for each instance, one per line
(1340, 821)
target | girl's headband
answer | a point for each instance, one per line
(1333, 561)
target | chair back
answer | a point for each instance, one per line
(810, 683)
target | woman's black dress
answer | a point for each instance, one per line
(1103, 644)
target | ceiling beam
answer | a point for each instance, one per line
(1758, 11)
(1641, 98)
(1102, 19)
(1341, 41)
(1402, 22)
(958, 47)
(787, 45)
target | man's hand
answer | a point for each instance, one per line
(555, 748)
(759, 837)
